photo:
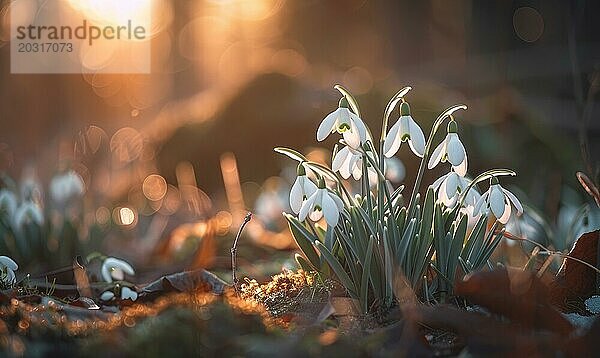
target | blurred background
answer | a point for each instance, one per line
(171, 161)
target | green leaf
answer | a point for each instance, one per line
(304, 239)
(297, 156)
(305, 265)
(339, 270)
(366, 275)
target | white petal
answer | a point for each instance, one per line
(338, 201)
(514, 200)
(107, 296)
(309, 187)
(316, 215)
(436, 157)
(497, 201)
(452, 185)
(330, 210)
(345, 168)
(442, 194)
(128, 293)
(417, 138)
(327, 125)
(307, 206)
(404, 126)
(8, 202)
(456, 150)
(9, 263)
(360, 125)
(117, 274)
(105, 271)
(392, 141)
(436, 184)
(481, 203)
(352, 136)
(115, 268)
(461, 169)
(357, 171)
(10, 276)
(472, 197)
(339, 158)
(296, 195)
(506, 215)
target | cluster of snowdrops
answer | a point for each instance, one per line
(373, 234)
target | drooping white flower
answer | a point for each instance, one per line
(301, 190)
(8, 268)
(498, 200)
(405, 129)
(322, 203)
(27, 213)
(113, 268)
(344, 122)
(450, 186)
(395, 171)
(8, 203)
(452, 150)
(348, 162)
(66, 186)
(126, 294)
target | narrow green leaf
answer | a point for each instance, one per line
(295, 155)
(339, 270)
(366, 275)
(304, 239)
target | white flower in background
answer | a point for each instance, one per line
(28, 213)
(8, 202)
(113, 268)
(66, 186)
(344, 122)
(405, 129)
(8, 268)
(301, 190)
(126, 294)
(449, 188)
(322, 203)
(452, 150)
(30, 187)
(498, 200)
(395, 171)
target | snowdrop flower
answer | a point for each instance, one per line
(28, 212)
(113, 268)
(395, 171)
(301, 190)
(344, 122)
(450, 186)
(126, 294)
(405, 129)
(452, 150)
(66, 186)
(8, 268)
(322, 203)
(8, 202)
(350, 162)
(499, 201)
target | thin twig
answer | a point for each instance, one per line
(234, 251)
(547, 251)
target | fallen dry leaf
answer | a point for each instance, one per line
(576, 280)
